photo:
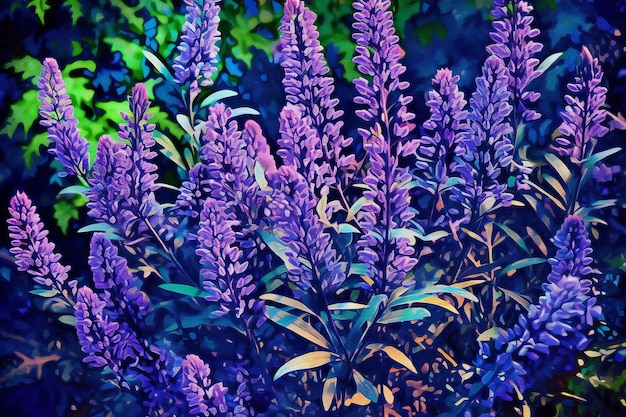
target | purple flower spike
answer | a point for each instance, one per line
(301, 149)
(105, 341)
(573, 250)
(513, 37)
(583, 118)
(119, 287)
(204, 398)
(307, 84)
(57, 113)
(197, 59)
(33, 251)
(378, 58)
(224, 268)
(486, 145)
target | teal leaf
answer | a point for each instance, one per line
(159, 66)
(548, 62)
(218, 96)
(297, 325)
(404, 314)
(184, 289)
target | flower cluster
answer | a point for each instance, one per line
(204, 397)
(583, 118)
(308, 86)
(197, 59)
(123, 178)
(33, 251)
(555, 328)
(513, 36)
(57, 112)
(486, 145)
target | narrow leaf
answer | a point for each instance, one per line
(73, 190)
(184, 289)
(329, 389)
(289, 302)
(244, 111)
(364, 386)
(405, 314)
(514, 235)
(522, 263)
(217, 96)
(159, 65)
(548, 62)
(296, 325)
(309, 360)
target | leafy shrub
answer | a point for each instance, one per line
(381, 268)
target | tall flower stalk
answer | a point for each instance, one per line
(388, 257)
(308, 86)
(57, 115)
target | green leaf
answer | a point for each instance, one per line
(364, 386)
(404, 314)
(169, 149)
(310, 360)
(597, 157)
(347, 228)
(548, 62)
(513, 235)
(268, 279)
(158, 65)
(40, 8)
(297, 325)
(64, 212)
(75, 9)
(559, 166)
(24, 113)
(68, 319)
(184, 289)
(522, 263)
(278, 247)
(73, 190)
(29, 67)
(218, 96)
(96, 227)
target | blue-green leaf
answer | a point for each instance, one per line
(218, 96)
(73, 190)
(364, 386)
(548, 62)
(522, 263)
(297, 325)
(244, 111)
(184, 289)
(159, 66)
(404, 314)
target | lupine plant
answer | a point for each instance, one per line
(332, 269)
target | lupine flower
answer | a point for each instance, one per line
(378, 57)
(556, 328)
(486, 144)
(438, 148)
(197, 59)
(292, 212)
(57, 113)
(308, 86)
(111, 276)
(224, 269)
(514, 44)
(584, 117)
(194, 191)
(110, 182)
(573, 250)
(138, 132)
(33, 251)
(105, 341)
(204, 397)
(388, 258)
(301, 148)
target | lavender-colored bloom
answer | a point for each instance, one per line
(307, 85)
(138, 132)
(194, 191)
(119, 287)
(486, 145)
(583, 118)
(197, 59)
(224, 272)
(105, 341)
(573, 250)
(292, 213)
(514, 44)
(57, 114)
(110, 182)
(378, 58)
(203, 397)
(33, 251)
(301, 149)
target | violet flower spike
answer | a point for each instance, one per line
(224, 270)
(307, 84)
(57, 113)
(487, 148)
(573, 250)
(378, 57)
(198, 50)
(112, 276)
(33, 251)
(203, 397)
(584, 116)
(514, 44)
